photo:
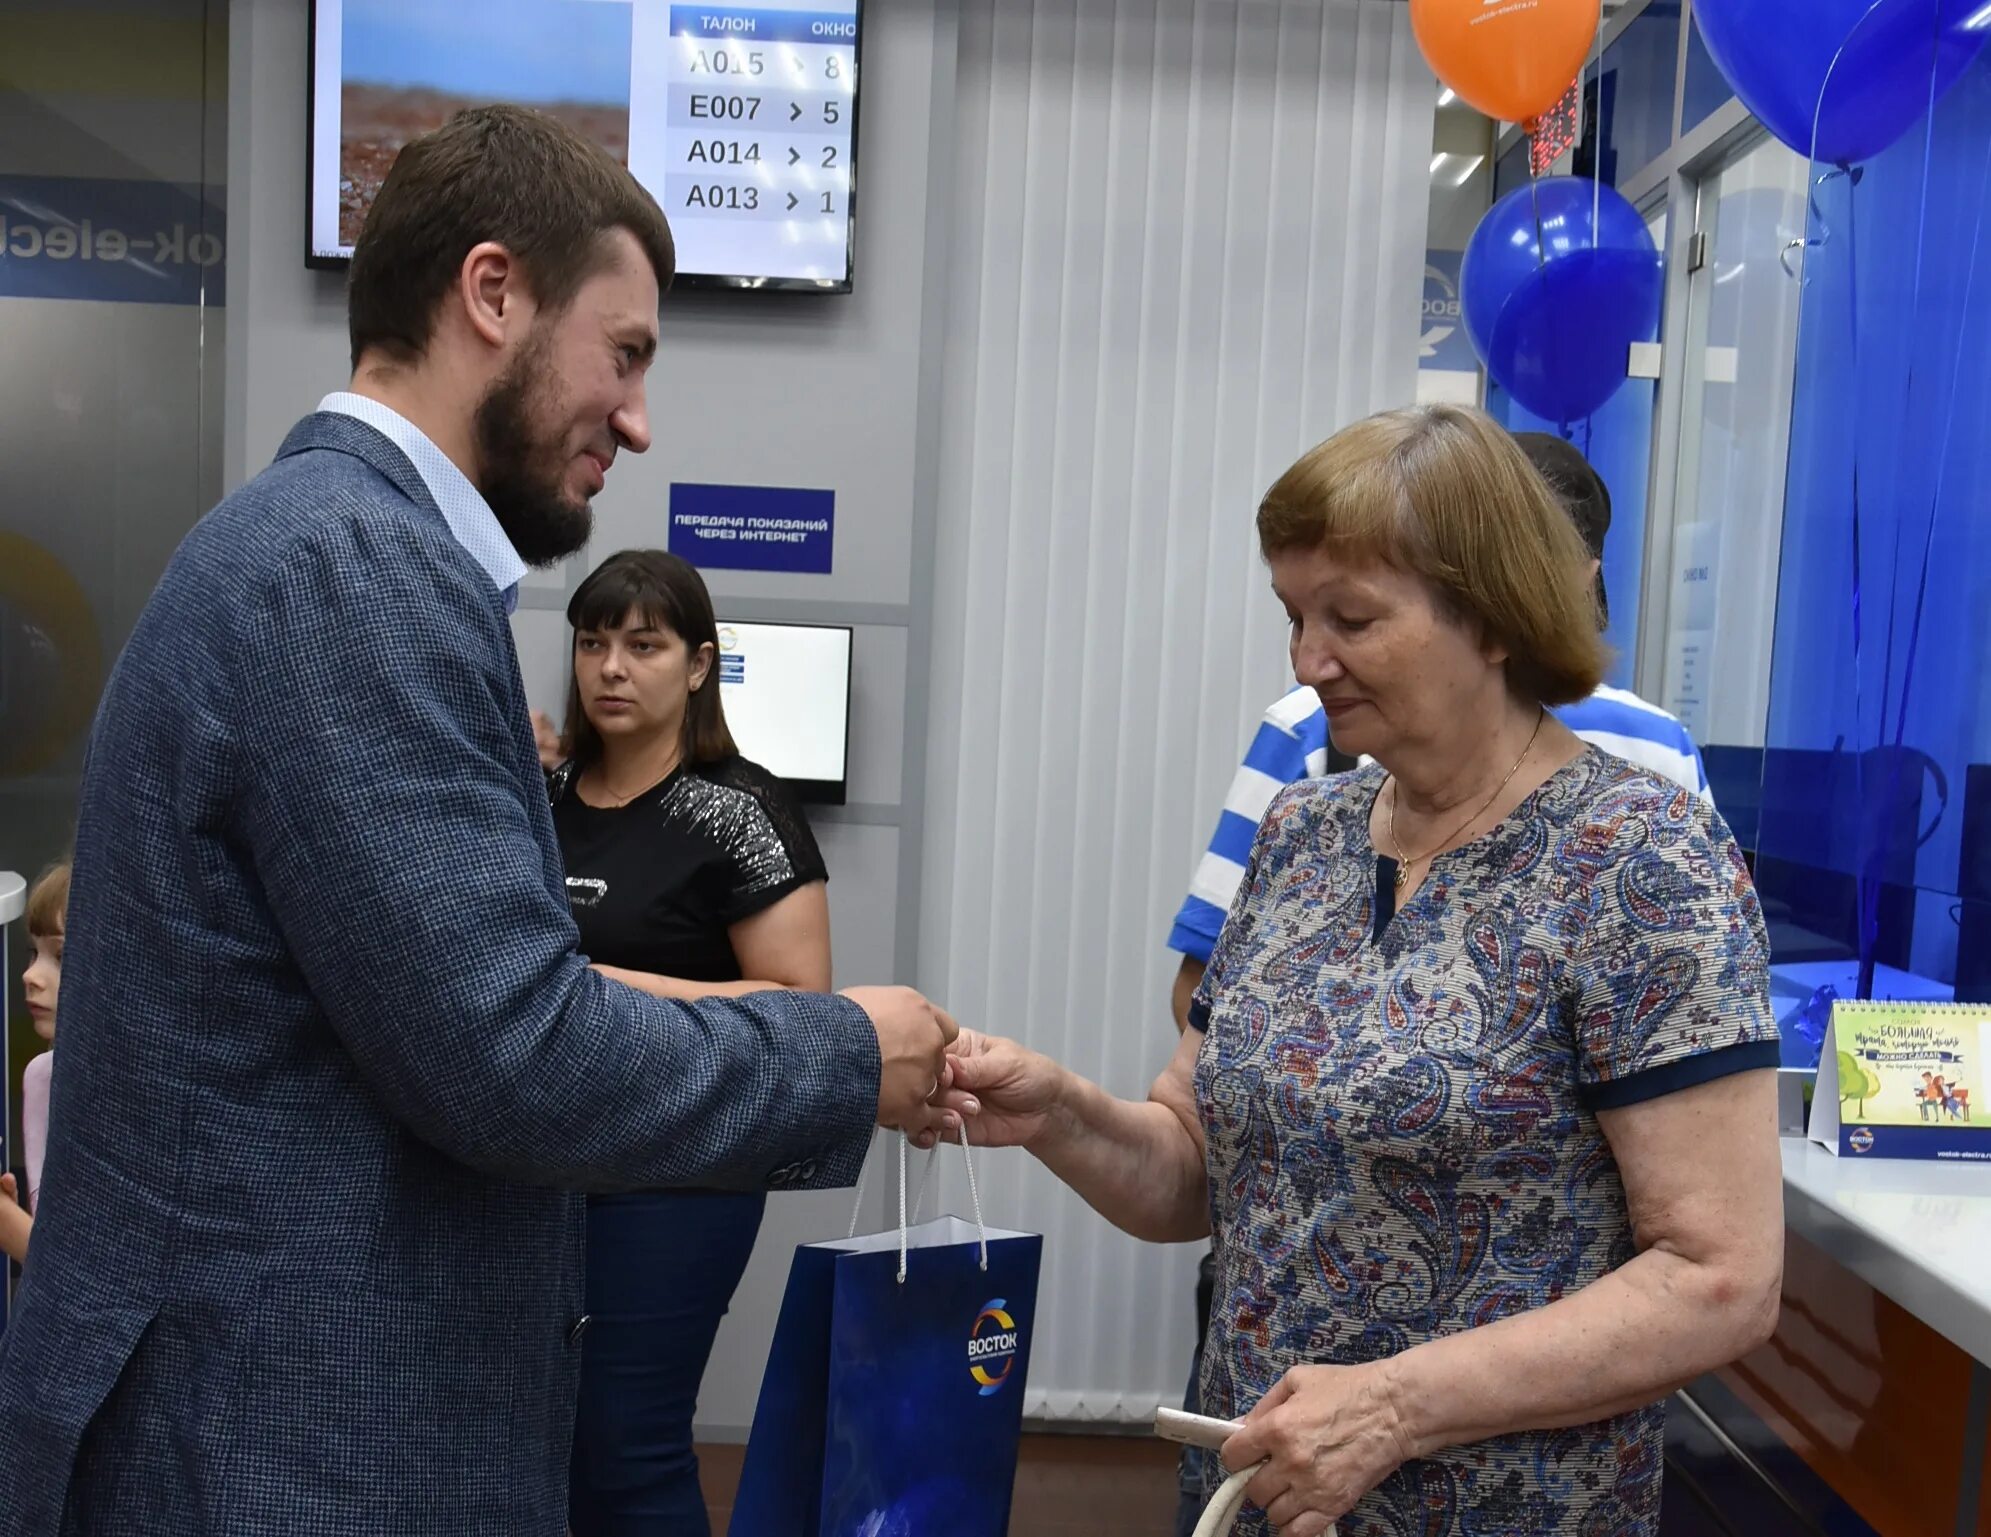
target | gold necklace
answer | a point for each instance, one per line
(1403, 865)
(601, 782)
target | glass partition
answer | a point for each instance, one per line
(113, 135)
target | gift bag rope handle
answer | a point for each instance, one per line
(1225, 1504)
(974, 1195)
(1229, 1500)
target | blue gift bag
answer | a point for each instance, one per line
(893, 1398)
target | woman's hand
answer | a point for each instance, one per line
(1010, 1093)
(1327, 1436)
(548, 742)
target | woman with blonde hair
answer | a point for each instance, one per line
(1479, 1106)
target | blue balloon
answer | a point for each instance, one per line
(1778, 55)
(1559, 279)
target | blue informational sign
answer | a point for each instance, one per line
(126, 242)
(753, 528)
(1442, 342)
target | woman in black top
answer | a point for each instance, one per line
(691, 873)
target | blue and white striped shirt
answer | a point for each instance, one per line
(1291, 745)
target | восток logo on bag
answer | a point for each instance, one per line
(992, 1346)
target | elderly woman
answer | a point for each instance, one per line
(1480, 1109)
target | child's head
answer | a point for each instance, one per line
(47, 903)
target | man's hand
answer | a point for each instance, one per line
(913, 1037)
(547, 740)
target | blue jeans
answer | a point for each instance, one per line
(662, 1268)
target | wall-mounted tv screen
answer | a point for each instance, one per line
(741, 118)
(786, 689)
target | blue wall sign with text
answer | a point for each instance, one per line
(125, 242)
(753, 528)
(1442, 342)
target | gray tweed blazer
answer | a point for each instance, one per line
(309, 1258)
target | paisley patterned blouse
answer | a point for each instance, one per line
(1402, 1127)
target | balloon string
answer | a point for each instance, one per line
(1815, 216)
(1915, 305)
(1596, 132)
(1879, 818)
(1897, 764)
(1868, 893)
(1596, 183)
(1825, 86)
(1894, 558)
(1535, 206)
(1866, 882)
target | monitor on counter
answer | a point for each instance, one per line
(740, 118)
(786, 689)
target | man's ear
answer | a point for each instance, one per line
(490, 289)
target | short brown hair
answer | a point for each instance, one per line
(1576, 484)
(658, 588)
(1444, 493)
(508, 174)
(48, 901)
(1583, 494)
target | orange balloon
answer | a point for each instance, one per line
(1512, 59)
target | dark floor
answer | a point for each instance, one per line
(1066, 1486)
(1124, 1486)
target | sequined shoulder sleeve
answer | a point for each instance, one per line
(767, 838)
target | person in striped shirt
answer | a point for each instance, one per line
(1292, 744)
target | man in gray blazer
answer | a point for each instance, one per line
(310, 1252)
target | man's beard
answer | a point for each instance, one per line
(521, 473)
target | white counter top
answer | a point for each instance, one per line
(1918, 1232)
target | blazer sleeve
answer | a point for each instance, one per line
(398, 824)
